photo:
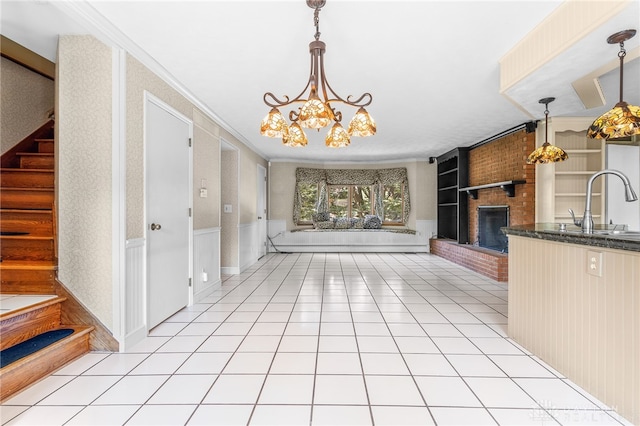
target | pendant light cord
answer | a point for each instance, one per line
(621, 55)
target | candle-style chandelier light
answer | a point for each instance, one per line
(317, 110)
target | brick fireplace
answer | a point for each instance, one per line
(500, 160)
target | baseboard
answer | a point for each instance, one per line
(133, 338)
(229, 270)
(354, 248)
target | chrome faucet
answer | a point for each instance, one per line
(587, 219)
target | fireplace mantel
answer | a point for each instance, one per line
(508, 186)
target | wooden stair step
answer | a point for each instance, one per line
(27, 198)
(36, 160)
(26, 247)
(22, 324)
(27, 277)
(35, 222)
(27, 178)
(22, 373)
(45, 145)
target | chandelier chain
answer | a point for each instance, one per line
(316, 22)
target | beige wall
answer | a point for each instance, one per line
(25, 101)
(206, 161)
(84, 172)
(229, 221)
(422, 183)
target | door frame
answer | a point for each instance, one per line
(149, 98)
(261, 192)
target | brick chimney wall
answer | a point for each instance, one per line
(501, 160)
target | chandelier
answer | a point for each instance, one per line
(317, 110)
(547, 153)
(624, 119)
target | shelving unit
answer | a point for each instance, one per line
(561, 186)
(453, 174)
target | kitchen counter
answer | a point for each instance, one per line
(574, 301)
(603, 236)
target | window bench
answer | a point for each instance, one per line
(393, 240)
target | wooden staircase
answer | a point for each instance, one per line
(28, 262)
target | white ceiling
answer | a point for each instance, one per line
(431, 66)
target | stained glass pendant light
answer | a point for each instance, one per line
(317, 110)
(547, 153)
(624, 119)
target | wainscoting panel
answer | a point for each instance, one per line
(135, 293)
(247, 244)
(206, 261)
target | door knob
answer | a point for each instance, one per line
(259, 217)
(155, 226)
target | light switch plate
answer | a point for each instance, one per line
(227, 208)
(203, 192)
(594, 263)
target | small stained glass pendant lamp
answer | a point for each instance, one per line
(547, 153)
(623, 120)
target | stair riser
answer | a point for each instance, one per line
(21, 374)
(37, 162)
(36, 223)
(26, 281)
(25, 199)
(45, 146)
(25, 249)
(23, 327)
(26, 179)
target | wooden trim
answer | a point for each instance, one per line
(74, 312)
(27, 58)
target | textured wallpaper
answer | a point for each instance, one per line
(84, 172)
(25, 102)
(229, 221)
(206, 160)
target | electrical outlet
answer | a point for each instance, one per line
(227, 208)
(594, 263)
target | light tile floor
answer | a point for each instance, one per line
(322, 339)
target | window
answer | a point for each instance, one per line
(393, 204)
(352, 193)
(308, 200)
(350, 200)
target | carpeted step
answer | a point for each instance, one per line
(21, 350)
(31, 368)
(22, 324)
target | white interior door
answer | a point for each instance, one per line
(262, 211)
(168, 202)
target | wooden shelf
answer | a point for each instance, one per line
(582, 151)
(507, 186)
(578, 172)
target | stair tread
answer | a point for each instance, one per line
(36, 189)
(25, 170)
(38, 211)
(41, 265)
(79, 331)
(36, 306)
(35, 154)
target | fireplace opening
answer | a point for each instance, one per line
(490, 220)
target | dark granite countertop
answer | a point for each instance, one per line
(601, 236)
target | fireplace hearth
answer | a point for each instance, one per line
(490, 220)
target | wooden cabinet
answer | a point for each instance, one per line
(563, 186)
(453, 174)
